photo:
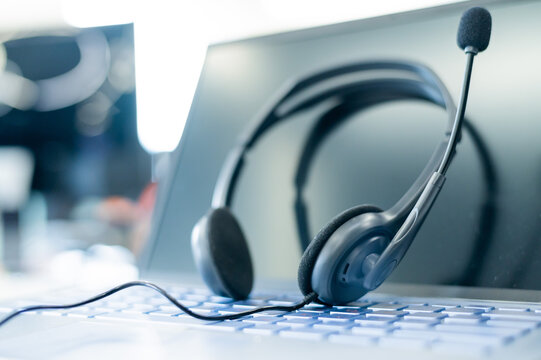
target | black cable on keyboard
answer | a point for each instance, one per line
(308, 299)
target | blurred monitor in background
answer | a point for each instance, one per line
(68, 97)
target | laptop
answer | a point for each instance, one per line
(468, 286)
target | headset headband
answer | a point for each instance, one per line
(352, 96)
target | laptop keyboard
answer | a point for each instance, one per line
(376, 320)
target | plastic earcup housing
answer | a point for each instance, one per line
(347, 256)
(221, 254)
(312, 252)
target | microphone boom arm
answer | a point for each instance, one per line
(380, 269)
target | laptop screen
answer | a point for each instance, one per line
(485, 227)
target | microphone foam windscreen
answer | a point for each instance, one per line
(474, 29)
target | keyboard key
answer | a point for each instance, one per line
(35, 312)
(375, 321)
(205, 310)
(480, 307)
(50, 312)
(139, 309)
(461, 311)
(355, 305)
(384, 306)
(384, 313)
(336, 318)
(142, 306)
(165, 313)
(425, 316)
(230, 311)
(215, 299)
(464, 319)
(228, 326)
(79, 308)
(444, 305)
(263, 319)
(285, 301)
(352, 339)
(248, 304)
(306, 333)
(209, 306)
(131, 299)
(423, 309)
(133, 311)
(176, 290)
(85, 313)
(269, 313)
(175, 308)
(198, 298)
(296, 323)
(215, 305)
(281, 302)
(187, 319)
(315, 308)
(334, 325)
(265, 329)
(155, 300)
(348, 311)
(414, 303)
(416, 334)
(513, 308)
(300, 315)
(316, 312)
(374, 331)
(416, 324)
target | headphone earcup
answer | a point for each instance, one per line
(311, 253)
(221, 254)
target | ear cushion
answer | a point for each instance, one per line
(309, 257)
(222, 254)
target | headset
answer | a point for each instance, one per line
(337, 261)
(360, 247)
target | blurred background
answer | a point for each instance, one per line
(93, 97)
